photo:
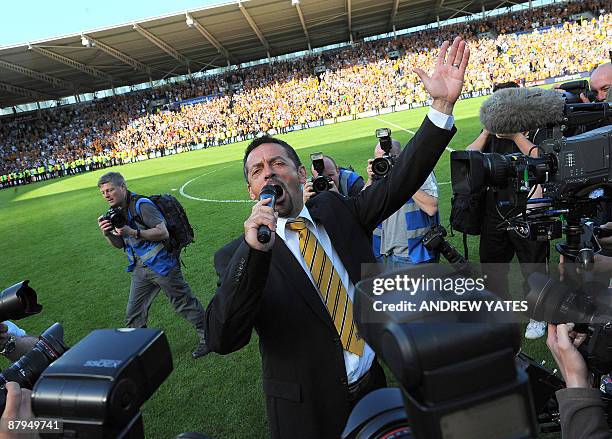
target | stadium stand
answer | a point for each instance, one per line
(525, 46)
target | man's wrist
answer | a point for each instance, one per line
(443, 106)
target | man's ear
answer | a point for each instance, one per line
(302, 174)
(252, 194)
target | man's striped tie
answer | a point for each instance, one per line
(330, 287)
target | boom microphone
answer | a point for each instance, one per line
(267, 192)
(516, 110)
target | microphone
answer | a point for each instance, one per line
(268, 192)
(516, 110)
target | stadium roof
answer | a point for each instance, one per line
(202, 39)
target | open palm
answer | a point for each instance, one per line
(446, 82)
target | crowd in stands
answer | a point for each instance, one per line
(363, 77)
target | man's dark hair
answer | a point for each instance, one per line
(268, 139)
(502, 85)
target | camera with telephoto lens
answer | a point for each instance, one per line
(18, 301)
(382, 165)
(25, 371)
(321, 183)
(117, 217)
(95, 388)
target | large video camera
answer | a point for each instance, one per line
(382, 165)
(575, 174)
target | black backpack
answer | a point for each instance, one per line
(177, 223)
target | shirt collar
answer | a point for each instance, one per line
(282, 222)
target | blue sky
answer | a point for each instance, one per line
(31, 20)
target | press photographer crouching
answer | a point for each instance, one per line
(398, 240)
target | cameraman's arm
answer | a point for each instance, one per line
(108, 231)
(479, 143)
(426, 198)
(153, 219)
(580, 407)
(426, 202)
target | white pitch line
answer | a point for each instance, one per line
(209, 200)
(448, 148)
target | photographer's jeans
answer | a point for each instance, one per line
(146, 283)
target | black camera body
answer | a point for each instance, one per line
(456, 370)
(321, 183)
(99, 385)
(572, 91)
(117, 217)
(382, 165)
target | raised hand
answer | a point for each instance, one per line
(446, 82)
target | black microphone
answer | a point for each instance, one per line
(516, 110)
(268, 192)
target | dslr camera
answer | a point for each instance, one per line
(117, 217)
(382, 165)
(321, 183)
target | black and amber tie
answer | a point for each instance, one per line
(327, 280)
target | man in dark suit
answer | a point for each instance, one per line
(296, 290)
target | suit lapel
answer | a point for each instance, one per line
(295, 276)
(336, 230)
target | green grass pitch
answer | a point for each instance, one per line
(49, 234)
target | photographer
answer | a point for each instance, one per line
(399, 238)
(152, 266)
(497, 245)
(581, 408)
(345, 181)
(296, 289)
(14, 342)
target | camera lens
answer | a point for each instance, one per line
(28, 368)
(381, 166)
(320, 184)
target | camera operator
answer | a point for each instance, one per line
(497, 245)
(581, 408)
(399, 238)
(18, 408)
(600, 81)
(14, 342)
(296, 288)
(152, 266)
(346, 181)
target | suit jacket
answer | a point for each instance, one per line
(304, 376)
